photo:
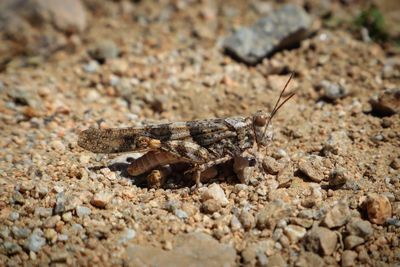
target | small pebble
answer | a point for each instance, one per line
(307, 259)
(240, 187)
(18, 198)
(62, 237)
(271, 165)
(348, 258)
(210, 206)
(276, 260)
(311, 166)
(352, 241)
(235, 223)
(50, 234)
(57, 145)
(104, 49)
(42, 190)
(332, 91)
(359, 228)
(59, 257)
(321, 240)
(84, 159)
(91, 67)
(20, 232)
(172, 204)
(100, 200)
(285, 176)
(395, 164)
(247, 220)
(14, 216)
(60, 203)
(180, 214)
(67, 217)
(126, 235)
(215, 192)
(11, 248)
(379, 208)
(52, 221)
(43, 212)
(4, 232)
(294, 232)
(338, 177)
(77, 228)
(35, 241)
(58, 189)
(82, 211)
(387, 103)
(337, 216)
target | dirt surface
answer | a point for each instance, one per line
(330, 194)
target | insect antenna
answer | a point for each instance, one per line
(278, 105)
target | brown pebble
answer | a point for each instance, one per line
(321, 240)
(247, 220)
(352, 241)
(210, 206)
(348, 258)
(395, 164)
(271, 166)
(378, 208)
(312, 168)
(337, 216)
(101, 199)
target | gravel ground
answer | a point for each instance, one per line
(330, 194)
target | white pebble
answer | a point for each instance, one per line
(215, 192)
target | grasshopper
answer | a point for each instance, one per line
(201, 143)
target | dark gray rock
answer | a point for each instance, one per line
(283, 28)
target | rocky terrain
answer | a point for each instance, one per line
(329, 191)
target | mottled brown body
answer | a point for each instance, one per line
(200, 143)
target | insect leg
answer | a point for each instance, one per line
(198, 169)
(157, 177)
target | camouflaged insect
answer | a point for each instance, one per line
(201, 143)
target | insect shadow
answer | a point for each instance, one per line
(174, 181)
(121, 167)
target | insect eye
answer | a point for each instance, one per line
(260, 120)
